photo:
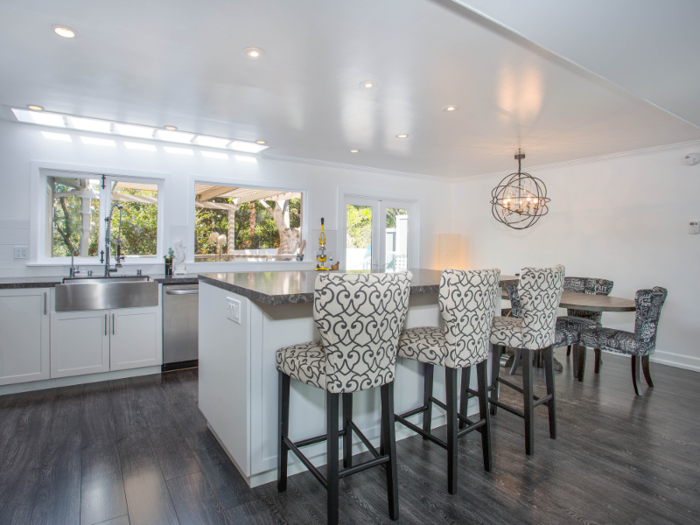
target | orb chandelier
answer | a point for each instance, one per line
(520, 199)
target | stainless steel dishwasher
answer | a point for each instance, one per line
(180, 326)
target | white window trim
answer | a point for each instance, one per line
(37, 226)
(203, 267)
(414, 225)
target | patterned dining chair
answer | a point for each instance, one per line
(539, 293)
(640, 344)
(467, 302)
(360, 318)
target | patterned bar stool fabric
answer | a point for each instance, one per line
(539, 293)
(360, 318)
(467, 303)
(641, 343)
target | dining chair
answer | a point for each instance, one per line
(359, 318)
(639, 344)
(539, 294)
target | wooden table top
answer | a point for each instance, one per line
(593, 303)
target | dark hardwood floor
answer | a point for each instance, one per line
(138, 451)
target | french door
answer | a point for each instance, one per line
(378, 234)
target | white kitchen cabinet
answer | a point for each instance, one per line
(24, 335)
(136, 338)
(79, 343)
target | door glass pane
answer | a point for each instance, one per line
(396, 239)
(135, 226)
(73, 212)
(358, 247)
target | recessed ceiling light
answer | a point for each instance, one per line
(261, 142)
(65, 32)
(368, 84)
(450, 108)
(94, 141)
(211, 142)
(253, 52)
(176, 136)
(354, 151)
(402, 136)
(142, 132)
(35, 108)
(90, 124)
(248, 147)
(170, 128)
(56, 136)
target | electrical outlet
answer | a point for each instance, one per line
(21, 252)
(233, 309)
(694, 228)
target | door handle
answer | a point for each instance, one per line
(45, 301)
(106, 324)
(181, 292)
(112, 324)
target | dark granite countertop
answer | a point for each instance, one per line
(278, 288)
(190, 278)
(29, 282)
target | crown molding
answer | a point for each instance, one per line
(329, 164)
(587, 160)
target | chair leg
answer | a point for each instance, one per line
(598, 359)
(464, 395)
(528, 404)
(332, 470)
(388, 437)
(574, 361)
(452, 457)
(482, 380)
(647, 373)
(635, 373)
(549, 374)
(581, 362)
(347, 438)
(495, 371)
(283, 430)
(568, 351)
(427, 394)
(517, 357)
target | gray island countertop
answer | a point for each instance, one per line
(295, 287)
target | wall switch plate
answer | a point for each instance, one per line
(233, 309)
(21, 252)
(694, 227)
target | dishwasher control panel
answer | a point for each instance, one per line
(233, 309)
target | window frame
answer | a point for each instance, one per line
(243, 265)
(39, 209)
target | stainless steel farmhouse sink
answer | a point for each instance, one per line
(105, 293)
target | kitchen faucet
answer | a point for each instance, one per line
(108, 233)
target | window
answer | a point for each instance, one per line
(246, 224)
(78, 204)
(377, 234)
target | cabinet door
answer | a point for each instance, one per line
(79, 343)
(24, 335)
(136, 338)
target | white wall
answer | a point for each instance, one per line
(622, 218)
(22, 144)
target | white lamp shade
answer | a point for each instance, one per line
(449, 248)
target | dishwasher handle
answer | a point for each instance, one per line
(181, 292)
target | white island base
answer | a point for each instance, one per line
(238, 382)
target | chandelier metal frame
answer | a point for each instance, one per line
(520, 199)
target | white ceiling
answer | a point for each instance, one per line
(180, 62)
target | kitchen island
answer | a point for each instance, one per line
(244, 318)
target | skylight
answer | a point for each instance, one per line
(248, 147)
(212, 142)
(142, 132)
(90, 124)
(175, 136)
(39, 117)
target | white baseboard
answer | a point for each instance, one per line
(676, 360)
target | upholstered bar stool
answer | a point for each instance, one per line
(640, 344)
(539, 292)
(467, 303)
(360, 318)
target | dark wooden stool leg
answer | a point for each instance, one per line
(574, 361)
(427, 394)
(647, 373)
(495, 371)
(482, 380)
(598, 359)
(464, 395)
(389, 439)
(517, 357)
(283, 431)
(452, 427)
(581, 361)
(332, 470)
(347, 438)
(568, 351)
(528, 403)
(635, 373)
(551, 405)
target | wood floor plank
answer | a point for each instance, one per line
(147, 494)
(194, 501)
(98, 418)
(102, 486)
(126, 410)
(57, 500)
(68, 411)
(173, 453)
(121, 520)
(254, 513)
